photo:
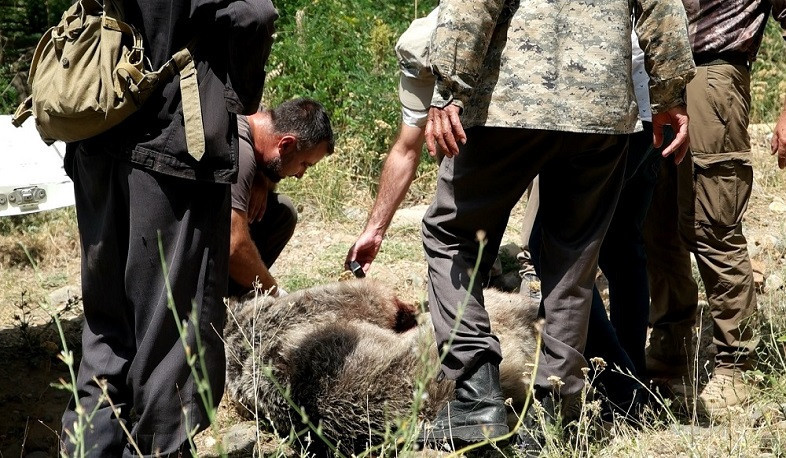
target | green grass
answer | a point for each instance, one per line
(768, 85)
(341, 53)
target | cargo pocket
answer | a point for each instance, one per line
(722, 186)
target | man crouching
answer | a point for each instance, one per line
(274, 144)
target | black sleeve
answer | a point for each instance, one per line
(247, 26)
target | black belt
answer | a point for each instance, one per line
(732, 58)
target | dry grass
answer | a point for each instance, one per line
(38, 253)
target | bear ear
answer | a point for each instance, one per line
(406, 316)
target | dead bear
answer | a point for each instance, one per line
(355, 359)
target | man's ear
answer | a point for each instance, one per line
(287, 145)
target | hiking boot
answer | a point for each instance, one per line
(725, 389)
(530, 287)
(477, 413)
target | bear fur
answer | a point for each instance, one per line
(356, 359)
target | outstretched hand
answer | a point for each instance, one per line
(778, 142)
(677, 117)
(364, 251)
(444, 130)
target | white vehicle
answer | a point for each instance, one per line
(32, 178)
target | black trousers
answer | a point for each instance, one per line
(130, 341)
(580, 180)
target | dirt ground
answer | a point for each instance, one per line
(30, 406)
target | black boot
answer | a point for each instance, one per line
(476, 414)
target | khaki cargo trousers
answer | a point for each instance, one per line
(704, 199)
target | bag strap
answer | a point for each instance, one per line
(183, 63)
(23, 111)
(192, 106)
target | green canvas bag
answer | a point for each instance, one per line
(89, 73)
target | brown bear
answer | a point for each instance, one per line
(356, 360)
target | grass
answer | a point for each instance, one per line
(341, 53)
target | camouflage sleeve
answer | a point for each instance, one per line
(662, 27)
(459, 44)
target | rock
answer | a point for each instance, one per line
(753, 250)
(240, 437)
(774, 283)
(355, 214)
(756, 415)
(415, 280)
(50, 347)
(768, 242)
(778, 206)
(65, 296)
(411, 216)
(758, 274)
(238, 440)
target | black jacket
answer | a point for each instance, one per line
(234, 40)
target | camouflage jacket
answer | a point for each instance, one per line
(719, 27)
(561, 65)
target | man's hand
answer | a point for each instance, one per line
(677, 117)
(444, 129)
(364, 251)
(257, 199)
(778, 142)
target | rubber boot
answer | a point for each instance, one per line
(476, 414)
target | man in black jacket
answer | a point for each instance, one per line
(154, 226)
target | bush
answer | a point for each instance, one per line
(768, 84)
(21, 24)
(341, 53)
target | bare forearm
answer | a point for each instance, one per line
(397, 175)
(245, 265)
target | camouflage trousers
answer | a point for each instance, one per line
(704, 200)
